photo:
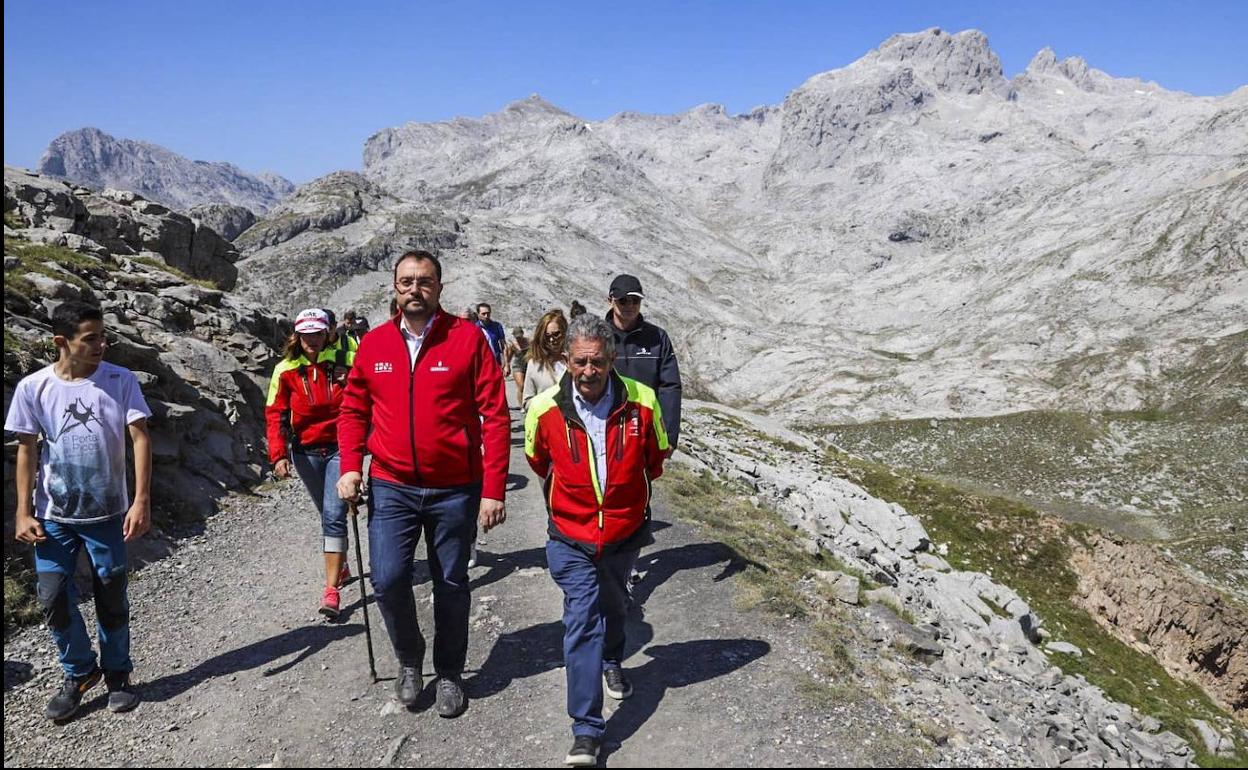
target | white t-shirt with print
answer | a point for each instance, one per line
(82, 467)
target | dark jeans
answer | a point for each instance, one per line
(448, 517)
(595, 605)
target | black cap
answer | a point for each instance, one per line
(625, 286)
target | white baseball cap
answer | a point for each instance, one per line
(311, 321)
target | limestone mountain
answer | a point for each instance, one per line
(911, 234)
(91, 157)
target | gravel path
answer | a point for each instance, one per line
(236, 668)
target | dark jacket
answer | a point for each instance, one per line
(645, 354)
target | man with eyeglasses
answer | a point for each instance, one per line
(644, 353)
(427, 396)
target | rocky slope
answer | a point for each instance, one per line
(92, 158)
(202, 355)
(912, 234)
(996, 666)
(1151, 604)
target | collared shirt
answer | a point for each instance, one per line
(594, 417)
(413, 340)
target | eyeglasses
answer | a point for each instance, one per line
(628, 301)
(553, 335)
(424, 284)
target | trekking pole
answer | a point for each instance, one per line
(359, 564)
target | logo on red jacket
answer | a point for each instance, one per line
(634, 423)
(383, 367)
(440, 368)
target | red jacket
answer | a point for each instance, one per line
(426, 423)
(312, 396)
(558, 448)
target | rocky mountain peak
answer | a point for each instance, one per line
(91, 157)
(962, 62)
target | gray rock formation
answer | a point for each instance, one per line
(203, 357)
(121, 223)
(92, 158)
(228, 221)
(911, 234)
(985, 672)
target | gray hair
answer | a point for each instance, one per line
(588, 327)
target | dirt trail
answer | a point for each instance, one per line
(236, 667)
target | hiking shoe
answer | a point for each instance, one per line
(409, 685)
(329, 602)
(616, 684)
(472, 556)
(451, 698)
(66, 701)
(344, 575)
(584, 752)
(634, 577)
(121, 694)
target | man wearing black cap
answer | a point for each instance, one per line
(643, 350)
(644, 353)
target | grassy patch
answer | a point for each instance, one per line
(175, 272)
(13, 221)
(21, 606)
(43, 259)
(1030, 552)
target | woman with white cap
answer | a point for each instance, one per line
(306, 393)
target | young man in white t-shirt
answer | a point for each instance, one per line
(82, 407)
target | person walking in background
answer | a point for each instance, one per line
(306, 393)
(494, 332)
(597, 441)
(576, 310)
(644, 353)
(83, 407)
(546, 364)
(427, 398)
(517, 359)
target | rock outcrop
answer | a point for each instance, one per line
(228, 221)
(92, 158)
(987, 672)
(120, 223)
(1152, 605)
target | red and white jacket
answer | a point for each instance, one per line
(442, 422)
(582, 512)
(312, 395)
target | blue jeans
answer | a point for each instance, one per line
(397, 514)
(595, 605)
(318, 470)
(55, 560)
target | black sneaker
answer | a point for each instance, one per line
(65, 703)
(584, 752)
(409, 685)
(121, 694)
(451, 698)
(616, 684)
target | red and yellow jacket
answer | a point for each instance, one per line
(311, 395)
(442, 423)
(558, 448)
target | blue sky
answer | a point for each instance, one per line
(296, 88)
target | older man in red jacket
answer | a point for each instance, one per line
(597, 440)
(427, 396)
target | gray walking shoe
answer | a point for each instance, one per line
(616, 684)
(584, 752)
(451, 698)
(409, 684)
(121, 694)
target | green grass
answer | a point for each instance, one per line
(40, 258)
(13, 221)
(21, 606)
(1030, 552)
(175, 272)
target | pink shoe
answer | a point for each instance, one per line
(329, 602)
(344, 575)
